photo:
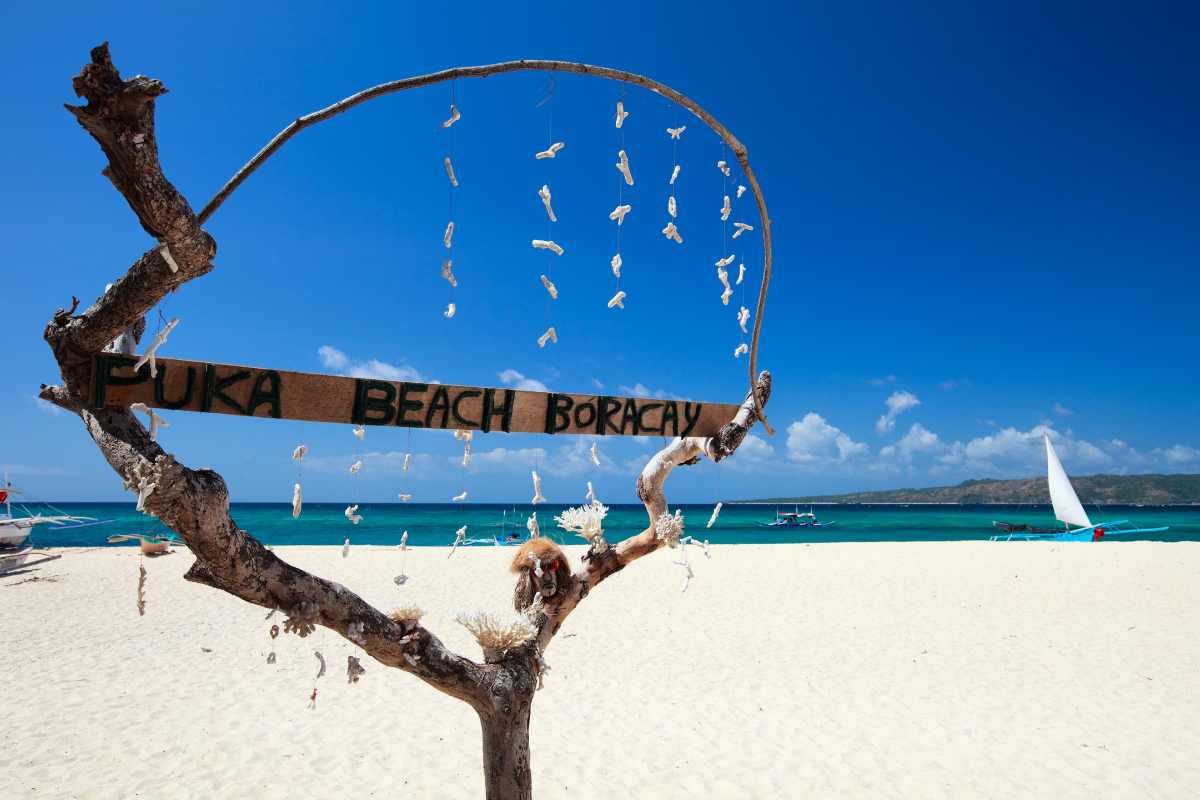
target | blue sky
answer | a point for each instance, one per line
(983, 217)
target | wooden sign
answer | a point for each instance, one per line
(251, 392)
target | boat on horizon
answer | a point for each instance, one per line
(1067, 510)
(796, 519)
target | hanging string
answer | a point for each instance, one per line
(620, 186)
(448, 236)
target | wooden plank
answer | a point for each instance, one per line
(250, 391)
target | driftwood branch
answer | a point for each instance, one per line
(526, 65)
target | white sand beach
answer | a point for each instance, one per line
(957, 669)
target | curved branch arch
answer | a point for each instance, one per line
(536, 65)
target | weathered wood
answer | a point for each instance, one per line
(250, 391)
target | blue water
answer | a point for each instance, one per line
(434, 524)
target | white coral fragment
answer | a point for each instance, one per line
(741, 348)
(595, 456)
(448, 236)
(300, 452)
(544, 193)
(495, 635)
(616, 265)
(531, 525)
(741, 191)
(407, 461)
(726, 208)
(674, 174)
(350, 514)
(543, 244)
(551, 151)
(724, 167)
(156, 421)
(404, 498)
(450, 311)
(723, 277)
(677, 132)
(458, 498)
(151, 353)
(725, 262)
(619, 213)
(359, 432)
(586, 521)
(455, 116)
(672, 233)
(740, 227)
(617, 301)
(550, 287)
(346, 545)
(716, 512)
(460, 536)
(550, 335)
(355, 467)
(448, 272)
(591, 494)
(741, 274)
(621, 114)
(742, 317)
(538, 497)
(623, 165)
(668, 527)
(672, 209)
(466, 459)
(165, 252)
(450, 171)
(297, 501)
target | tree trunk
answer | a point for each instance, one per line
(506, 754)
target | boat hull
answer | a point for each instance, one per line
(13, 535)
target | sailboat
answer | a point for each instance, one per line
(1067, 510)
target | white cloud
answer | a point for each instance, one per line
(951, 384)
(897, 403)
(641, 390)
(884, 381)
(510, 377)
(596, 382)
(32, 471)
(1062, 410)
(1180, 454)
(813, 441)
(332, 358)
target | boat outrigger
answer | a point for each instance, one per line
(796, 519)
(1067, 510)
(15, 530)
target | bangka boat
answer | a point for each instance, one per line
(796, 519)
(151, 545)
(1067, 510)
(15, 530)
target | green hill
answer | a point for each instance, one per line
(1092, 489)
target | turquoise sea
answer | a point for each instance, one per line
(435, 524)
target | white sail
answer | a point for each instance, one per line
(1067, 507)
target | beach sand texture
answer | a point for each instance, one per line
(949, 669)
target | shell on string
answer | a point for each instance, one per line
(550, 287)
(455, 116)
(617, 301)
(623, 166)
(726, 208)
(677, 132)
(544, 193)
(551, 151)
(151, 353)
(742, 317)
(618, 213)
(450, 311)
(621, 114)
(448, 236)
(616, 265)
(450, 171)
(740, 228)
(297, 501)
(672, 233)
(448, 272)
(550, 335)
(552, 246)
(537, 489)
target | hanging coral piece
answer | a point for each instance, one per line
(617, 301)
(346, 544)
(715, 513)
(619, 213)
(672, 233)
(448, 236)
(156, 421)
(723, 277)
(725, 262)
(726, 208)
(587, 522)
(448, 272)
(450, 172)
(355, 467)
(616, 265)
(741, 191)
(354, 670)
(677, 132)
(668, 527)
(740, 228)
(165, 252)
(531, 525)
(741, 274)
(621, 114)
(591, 494)
(595, 456)
(537, 489)
(672, 209)
(674, 174)
(742, 317)
(549, 335)
(458, 498)
(721, 165)
(141, 590)
(550, 287)
(450, 311)
(740, 349)
(404, 541)
(466, 459)
(544, 193)
(353, 517)
(551, 151)
(454, 116)
(297, 501)
(404, 498)
(460, 536)
(623, 165)
(300, 452)
(160, 339)
(542, 244)
(359, 432)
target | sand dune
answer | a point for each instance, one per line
(854, 670)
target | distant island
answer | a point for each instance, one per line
(1092, 489)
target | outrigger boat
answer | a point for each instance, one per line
(151, 545)
(796, 519)
(15, 530)
(1067, 510)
